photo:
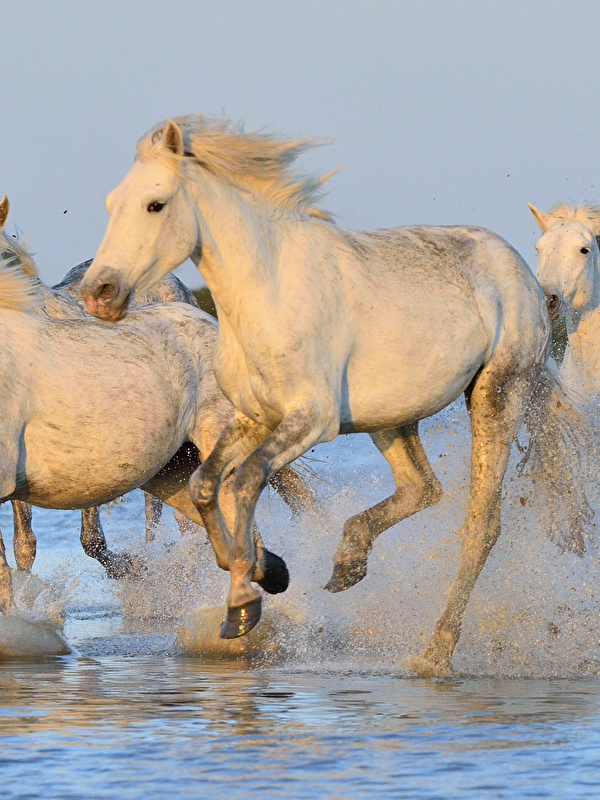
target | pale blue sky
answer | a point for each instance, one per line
(438, 111)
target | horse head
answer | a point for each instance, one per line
(568, 258)
(151, 229)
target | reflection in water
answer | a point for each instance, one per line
(168, 726)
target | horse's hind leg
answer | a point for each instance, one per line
(416, 489)
(153, 507)
(24, 541)
(6, 594)
(93, 541)
(496, 406)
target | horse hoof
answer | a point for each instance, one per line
(346, 575)
(242, 619)
(276, 576)
(124, 565)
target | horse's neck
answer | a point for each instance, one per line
(239, 255)
(582, 358)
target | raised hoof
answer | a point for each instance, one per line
(428, 666)
(276, 576)
(346, 575)
(242, 619)
(124, 565)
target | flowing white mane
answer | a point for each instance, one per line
(18, 275)
(587, 213)
(255, 160)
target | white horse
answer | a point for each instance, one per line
(569, 272)
(63, 301)
(325, 331)
(90, 411)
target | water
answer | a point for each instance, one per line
(324, 705)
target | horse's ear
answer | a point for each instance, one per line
(173, 138)
(4, 206)
(543, 219)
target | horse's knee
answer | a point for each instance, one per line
(202, 490)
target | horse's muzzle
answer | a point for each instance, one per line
(105, 297)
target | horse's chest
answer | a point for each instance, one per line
(245, 389)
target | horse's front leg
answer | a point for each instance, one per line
(298, 431)
(209, 487)
(24, 541)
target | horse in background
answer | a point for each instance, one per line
(63, 301)
(61, 439)
(568, 270)
(325, 331)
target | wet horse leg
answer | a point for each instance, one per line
(416, 489)
(292, 437)
(93, 541)
(24, 541)
(153, 507)
(496, 407)
(211, 490)
(6, 595)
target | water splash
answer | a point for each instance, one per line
(534, 612)
(35, 627)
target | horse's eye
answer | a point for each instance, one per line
(154, 208)
(585, 250)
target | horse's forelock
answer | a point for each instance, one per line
(257, 159)
(586, 213)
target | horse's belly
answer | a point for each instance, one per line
(60, 469)
(389, 387)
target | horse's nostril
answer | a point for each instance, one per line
(106, 291)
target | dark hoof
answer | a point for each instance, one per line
(346, 575)
(124, 565)
(276, 576)
(241, 620)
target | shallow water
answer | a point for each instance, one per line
(175, 727)
(330, 710)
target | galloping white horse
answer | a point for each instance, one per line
(325, 331)
(90, 411)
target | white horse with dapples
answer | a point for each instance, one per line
(325, 331)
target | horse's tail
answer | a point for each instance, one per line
(561, 459)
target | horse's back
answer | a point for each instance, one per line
(100, 395)
(430, 308)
